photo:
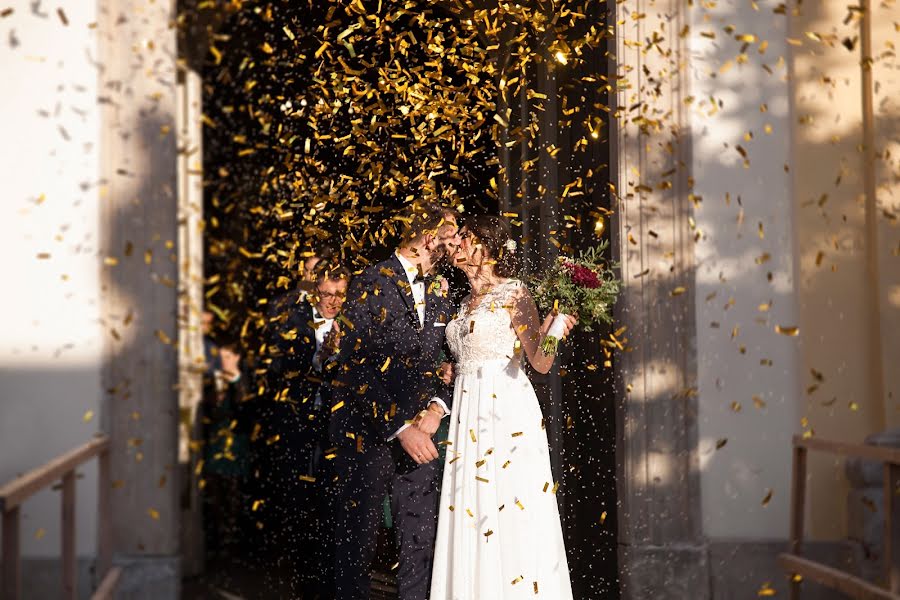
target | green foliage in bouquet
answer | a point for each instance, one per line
(585, 286)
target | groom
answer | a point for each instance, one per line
(387, 403)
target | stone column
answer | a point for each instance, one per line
(140, 232)
(662, 550)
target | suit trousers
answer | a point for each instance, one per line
(364, 479)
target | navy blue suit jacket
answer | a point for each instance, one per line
(386, 369)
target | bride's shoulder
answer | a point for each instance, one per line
(513, 288)
(514, 285)
(512, 282)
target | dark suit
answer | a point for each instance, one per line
(293, 426)
(387, 375)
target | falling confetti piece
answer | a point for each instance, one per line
(154, 514)
(790, 331)
(88, 415)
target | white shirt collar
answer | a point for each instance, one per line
(317, 316)
(410, 269)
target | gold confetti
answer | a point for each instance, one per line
(154, 514)
(88, 415)
(790, 331)
(768, 497)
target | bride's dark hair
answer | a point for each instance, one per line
(494, 236)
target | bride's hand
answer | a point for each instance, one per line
(429, 420)
(571, 321)
(446, 373)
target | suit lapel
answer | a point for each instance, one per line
(398, 276)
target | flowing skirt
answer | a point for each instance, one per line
(499, 535)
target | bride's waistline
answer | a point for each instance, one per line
(480, 367)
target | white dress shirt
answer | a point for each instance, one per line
(417, 287)
(418, 292)
(322, 327)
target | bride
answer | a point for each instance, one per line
(499, 535)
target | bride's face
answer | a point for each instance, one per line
(469, 254)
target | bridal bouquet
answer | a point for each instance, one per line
(585, 286)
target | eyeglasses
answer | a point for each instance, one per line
(330, 295)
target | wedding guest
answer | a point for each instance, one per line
(225, 454)
(295, 420)
(307, 272)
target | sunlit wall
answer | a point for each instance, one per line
(50, 348)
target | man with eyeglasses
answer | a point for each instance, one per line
(294, 431)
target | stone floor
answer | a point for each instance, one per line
(236, 581)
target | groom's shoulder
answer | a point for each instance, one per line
(385, 269)
(374, 276)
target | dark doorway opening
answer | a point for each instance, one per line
(274, 167)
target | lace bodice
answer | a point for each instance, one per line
(484, 333)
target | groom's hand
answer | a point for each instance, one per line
(418, 445)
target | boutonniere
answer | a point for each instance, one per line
(439, 285)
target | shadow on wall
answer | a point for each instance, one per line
(52, 409)
(140, 408)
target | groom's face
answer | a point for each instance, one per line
(445, 242)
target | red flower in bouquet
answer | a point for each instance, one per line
(583, 276)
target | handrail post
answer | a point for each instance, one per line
(69, 559)
(104, 531)
(12, 573)
(891, 528)
(798, 502)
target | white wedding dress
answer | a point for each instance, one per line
(499, 535)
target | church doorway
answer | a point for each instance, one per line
(301, 117)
